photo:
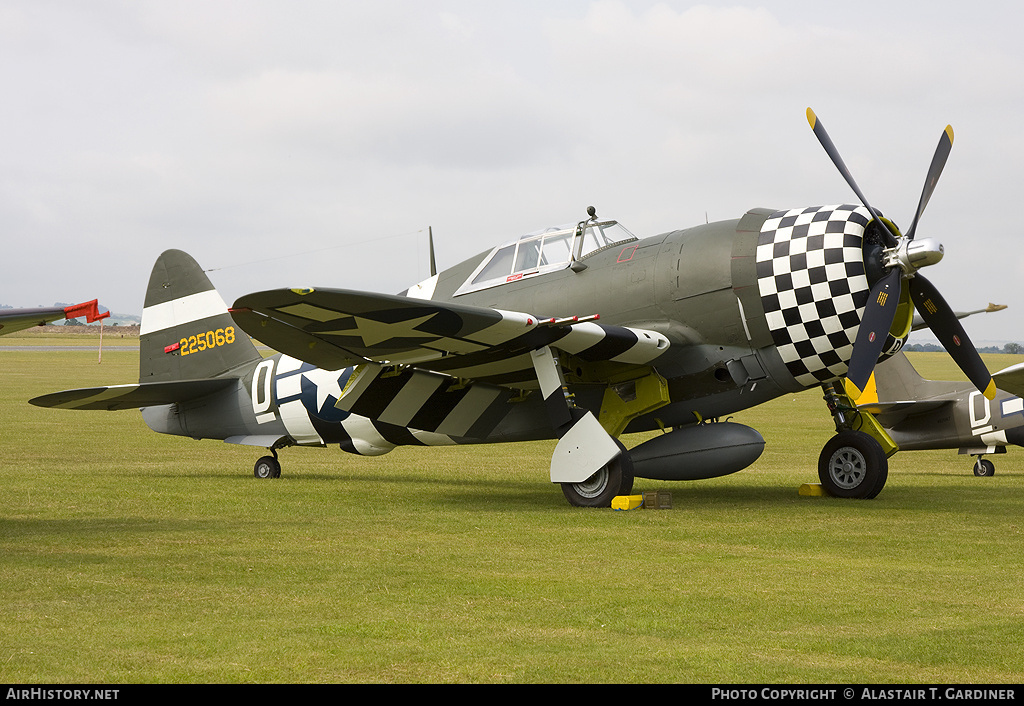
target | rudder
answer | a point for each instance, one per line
(187, 332)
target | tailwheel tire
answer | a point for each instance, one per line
(984, 468)
(267, 467)
(853, 465)
(615, 478)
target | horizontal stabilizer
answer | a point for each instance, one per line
(147, 394)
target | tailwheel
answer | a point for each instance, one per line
(615, 478)
(984, 468)
(853, 465)
(267, 467)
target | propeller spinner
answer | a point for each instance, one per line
(902, 257)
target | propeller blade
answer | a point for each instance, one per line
(833, 153)
(938, 162)
(944, 324)
(874, 327)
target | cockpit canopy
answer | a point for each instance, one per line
(544, 251)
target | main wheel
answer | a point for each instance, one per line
(615, 478)
(984, 467)
(853, 465)
(267, 467)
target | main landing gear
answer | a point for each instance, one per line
(614, 478)
(268, 466)
(854, 463)
(983, 467)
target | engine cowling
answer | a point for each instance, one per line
(814, 283)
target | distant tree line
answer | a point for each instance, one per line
(1013, 348)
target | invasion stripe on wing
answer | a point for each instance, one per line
(618, 344)
(425, 401)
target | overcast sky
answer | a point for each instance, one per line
(288, 144)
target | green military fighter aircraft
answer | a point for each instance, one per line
(580, 333)
(919, 414)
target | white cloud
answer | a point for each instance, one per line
(238, 129)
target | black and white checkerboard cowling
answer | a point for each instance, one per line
(813, 286)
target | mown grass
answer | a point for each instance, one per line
(130, 557)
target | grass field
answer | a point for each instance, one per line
(129, 557)
(77, 336)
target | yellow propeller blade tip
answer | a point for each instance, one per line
(811, 117)
(949, 133)
(990, 391)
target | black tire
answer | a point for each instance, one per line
(984, 468)
(267, 467)
(853, 465)
(616, 478)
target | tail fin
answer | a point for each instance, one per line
(187, 332)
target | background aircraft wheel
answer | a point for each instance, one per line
(853, 465)
(267, 467)
(984, 467)
(616, 478)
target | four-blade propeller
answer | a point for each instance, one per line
(901, 258)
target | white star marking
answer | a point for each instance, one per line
(327, 385)
(373, 332)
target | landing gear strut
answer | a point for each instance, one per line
(590, 465)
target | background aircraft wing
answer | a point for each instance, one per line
(12, 320)
(919, 322)
(1011, 379)
(892, 413)
(334, 328)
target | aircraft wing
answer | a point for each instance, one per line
(118, 397)
(12, 320)
(919, 322)
(892, 413)
(335, 328)
(1011, 379)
